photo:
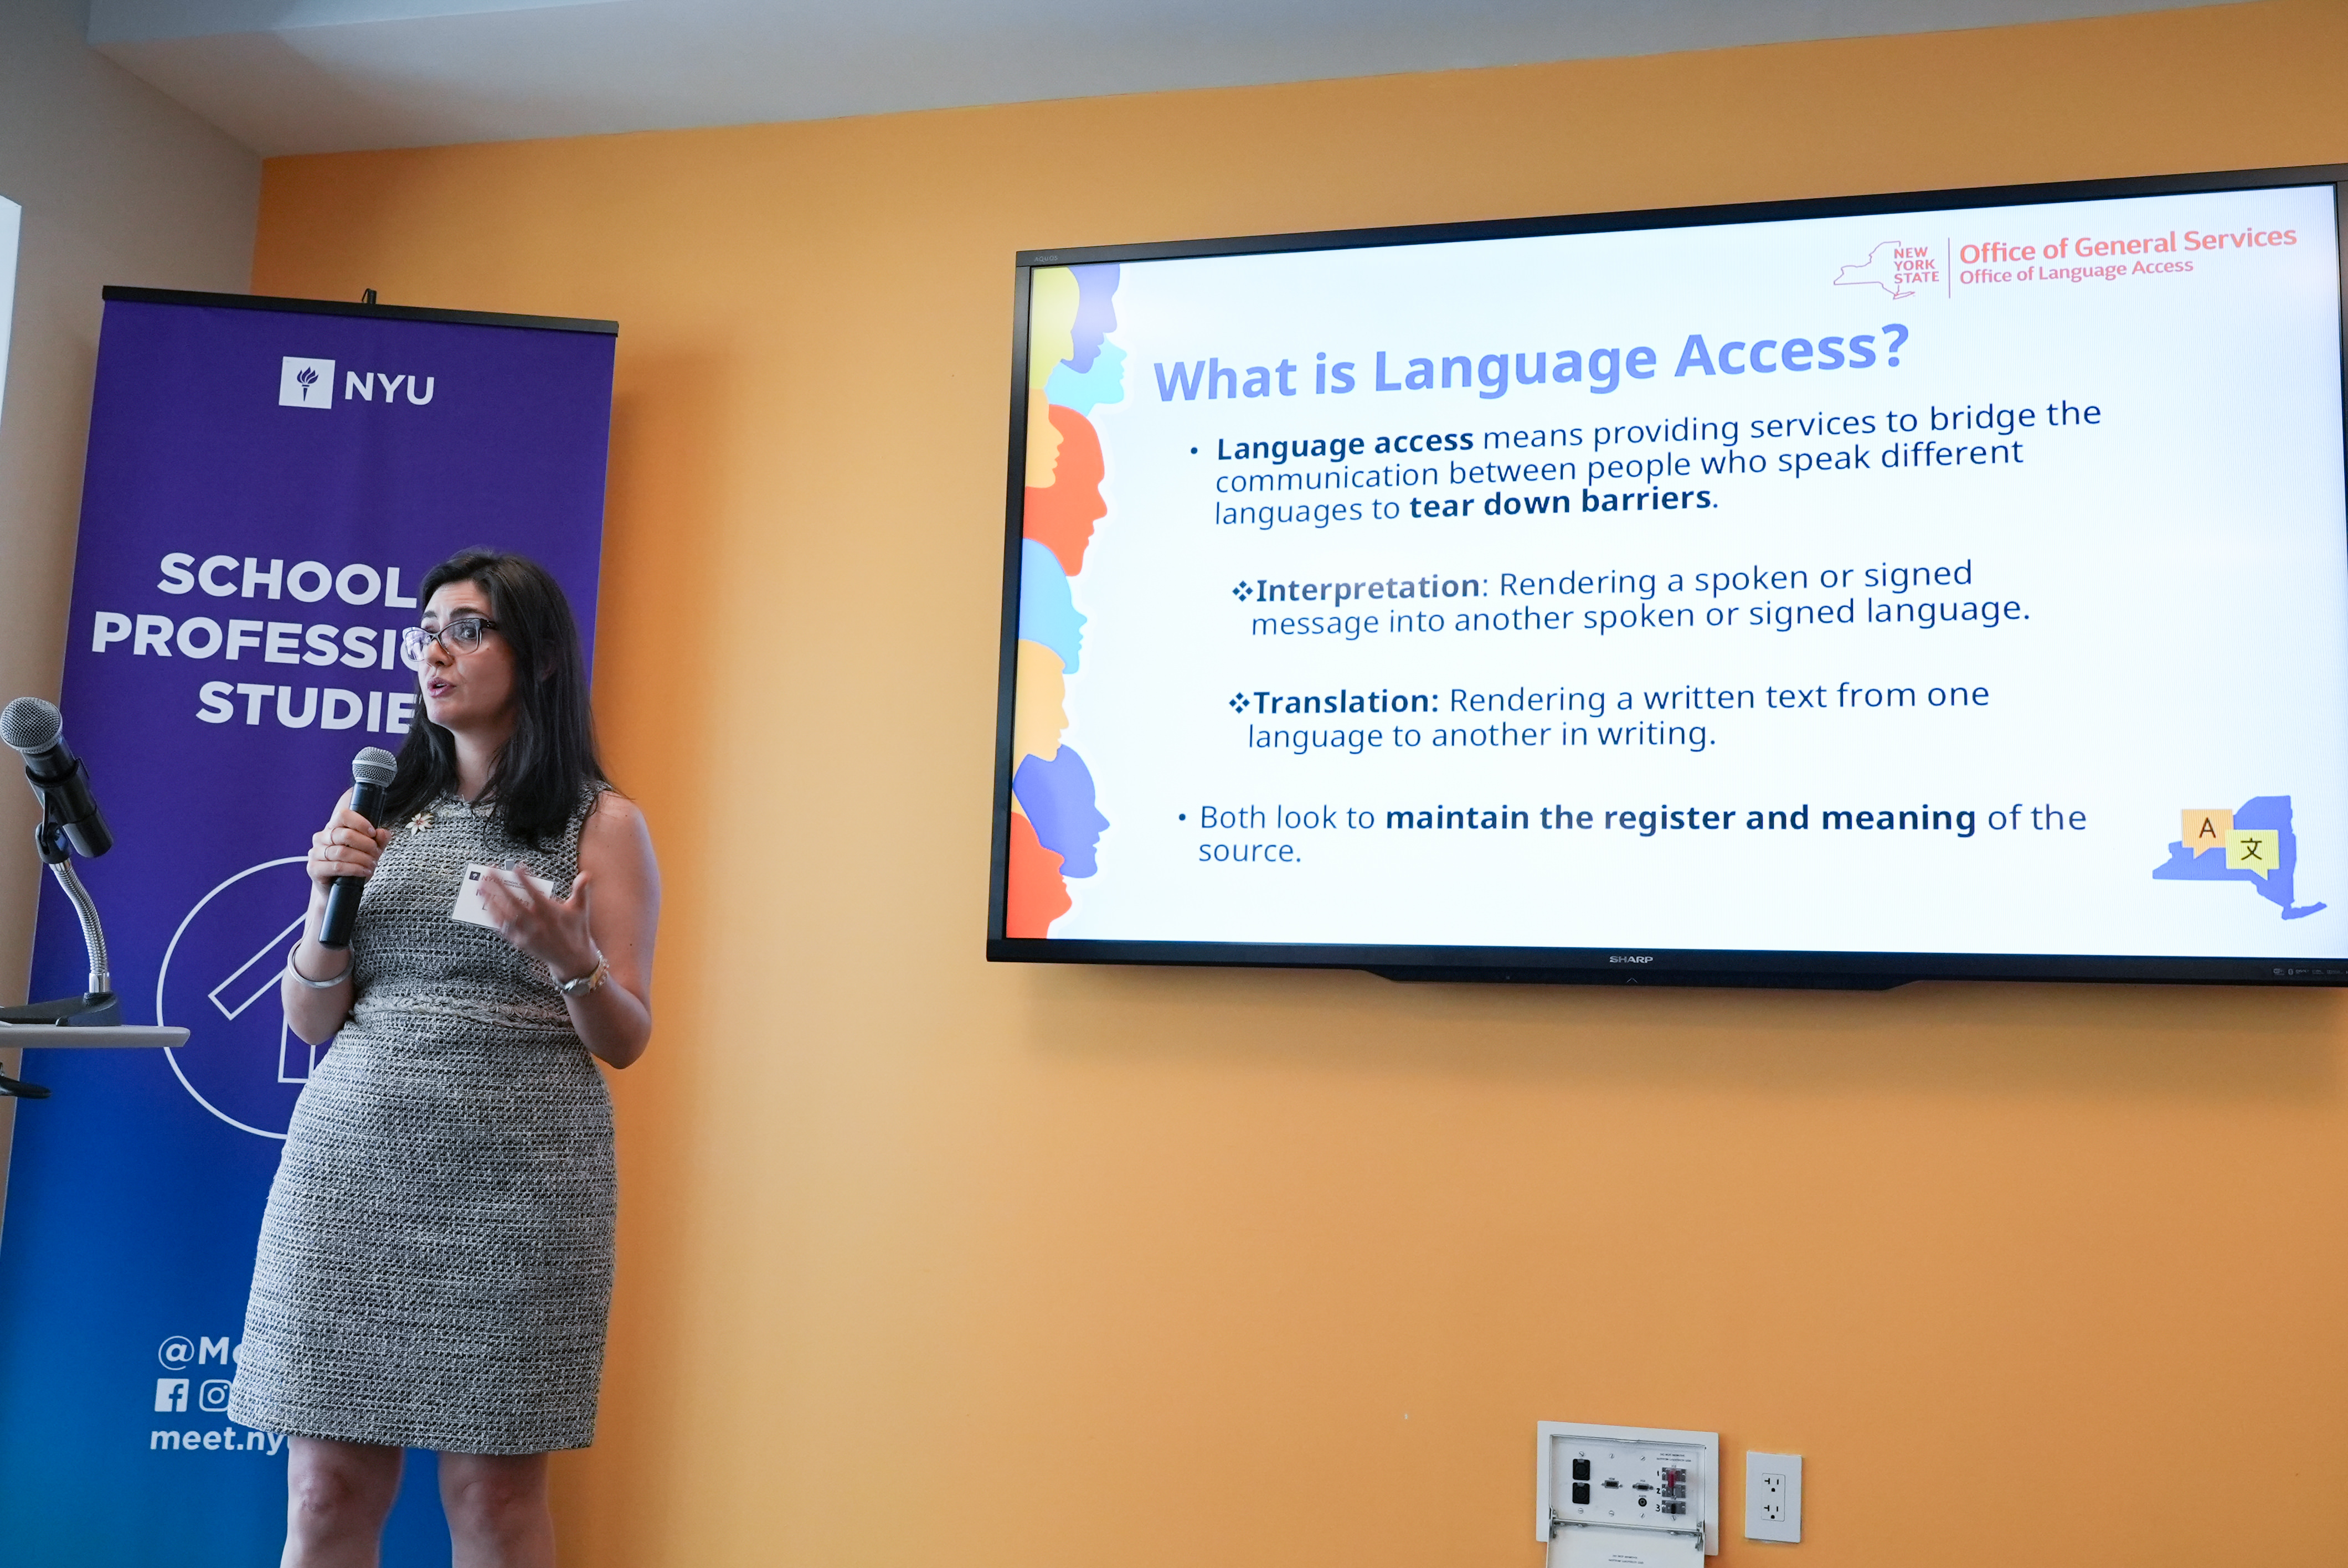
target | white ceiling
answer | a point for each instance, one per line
(330, 76)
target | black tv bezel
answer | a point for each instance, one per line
(1756, 967)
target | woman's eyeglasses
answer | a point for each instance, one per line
(459, 637)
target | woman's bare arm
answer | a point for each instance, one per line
(613, 906)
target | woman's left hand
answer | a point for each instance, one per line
(552, 930)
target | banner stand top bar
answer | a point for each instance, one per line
(114, 291)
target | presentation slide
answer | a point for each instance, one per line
(1958, 582)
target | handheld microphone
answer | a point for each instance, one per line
(37, 730)
(371, 772)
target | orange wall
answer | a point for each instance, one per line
(925, 1261)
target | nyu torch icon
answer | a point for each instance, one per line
(305, 383)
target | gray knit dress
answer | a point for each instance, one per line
(435, 1267)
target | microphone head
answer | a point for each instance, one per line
(30, 724)
(373, 766)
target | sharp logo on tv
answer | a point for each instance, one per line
(310, 384)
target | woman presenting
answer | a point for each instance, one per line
(435, 1265)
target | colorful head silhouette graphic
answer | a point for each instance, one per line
(1072, 368)
(1048, 610)
(1035, 895)
(1096, 315)
(1052, 304)
(1043, 442)
(1062, 517)
(1093, 372)
(1039, 713)
(1085, 390)
(1057, 796)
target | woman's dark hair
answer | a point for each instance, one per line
(551, 757)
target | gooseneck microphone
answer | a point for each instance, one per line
(371, 772)
(37, 730)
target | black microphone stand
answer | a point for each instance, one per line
(99, 1007)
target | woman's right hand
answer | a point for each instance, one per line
(346, 846)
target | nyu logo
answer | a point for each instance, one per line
(305, 383)
(310, 384)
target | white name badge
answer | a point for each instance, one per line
(470, 908)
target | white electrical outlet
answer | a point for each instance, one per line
(1773, 1497)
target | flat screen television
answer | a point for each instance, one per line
(1819, 593)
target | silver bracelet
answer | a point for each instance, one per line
(586, 984)
(295, 970)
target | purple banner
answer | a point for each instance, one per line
(266, 489)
